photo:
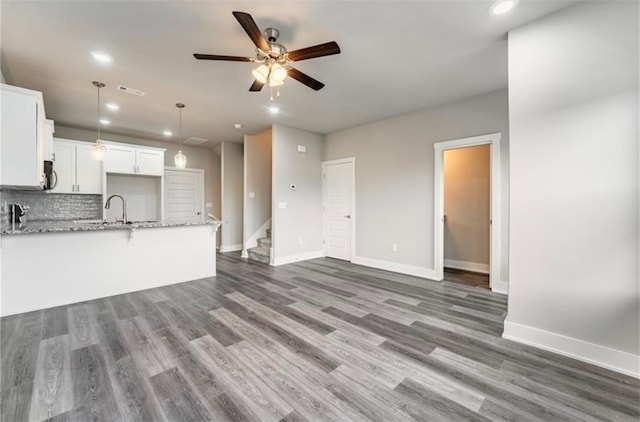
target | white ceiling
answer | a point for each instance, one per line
(397, 56)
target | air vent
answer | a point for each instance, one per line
(128, 90)
(195, 141)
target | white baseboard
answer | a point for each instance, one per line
(500, 286)
(230, 248)
(476, 267)
(616, 360)
(396, 267)
(296, 258)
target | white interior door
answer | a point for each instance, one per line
(183, 194)
(339, 215)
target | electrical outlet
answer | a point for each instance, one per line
(394, 247)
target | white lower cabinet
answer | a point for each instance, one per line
(125, 159)
(76, 171)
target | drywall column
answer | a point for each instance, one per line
(257, 188)
(232, 159)
(573, 105)
(297, 195)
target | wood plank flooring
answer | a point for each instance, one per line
(320, 340)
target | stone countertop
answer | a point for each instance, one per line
(62, 226)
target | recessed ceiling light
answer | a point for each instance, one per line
(274, 109)
(112, 106)
(503, 6)
(238, 125)
(105, 121)
(167, 133)
(102, 57)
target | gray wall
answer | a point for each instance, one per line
(197, 157)
(297, 229)
(257, 179)
(573, 85)
(467, 205)
(395, 174)
(232, 159)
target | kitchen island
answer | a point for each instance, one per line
(47, 264)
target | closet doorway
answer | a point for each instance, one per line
(440, 217)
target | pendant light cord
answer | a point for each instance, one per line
(99, 122)
(180, 140)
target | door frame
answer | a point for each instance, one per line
(325, 164)
(202, 187)
(493, 140)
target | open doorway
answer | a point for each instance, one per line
(467, 211)
(493, 142)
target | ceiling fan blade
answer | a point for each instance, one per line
(305, 79)
(252, 30)
(256, 86)
(320, 50)
(218, 57)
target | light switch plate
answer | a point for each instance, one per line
(282, 205)
(252, 194)
(302, 149)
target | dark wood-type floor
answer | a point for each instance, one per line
(467, 277)
(321, 340)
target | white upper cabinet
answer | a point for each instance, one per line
(150, 162)
(76, 171)
(22, 135)
(120, 159)
(46, 147)
(127, 159)
(64, 166)
(88, 171)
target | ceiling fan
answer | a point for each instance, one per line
(274, 58)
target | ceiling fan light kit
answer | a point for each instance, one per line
(275, 61)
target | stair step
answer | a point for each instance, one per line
(264, 241)
(261, 254)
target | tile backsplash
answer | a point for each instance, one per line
(54, 206)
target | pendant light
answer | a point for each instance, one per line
(180, 159)
(98, 150)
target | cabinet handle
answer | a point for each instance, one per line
(78, 188)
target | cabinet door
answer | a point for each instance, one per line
(120, 159)
(20, 155)
(64, 166)
(88, 171)
(47, 141)
(150, 162)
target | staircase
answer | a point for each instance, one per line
(262, 252)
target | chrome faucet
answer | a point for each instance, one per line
(107, 205)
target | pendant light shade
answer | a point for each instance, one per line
(98, 150)
(180, 159)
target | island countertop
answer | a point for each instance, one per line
(62, 226)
